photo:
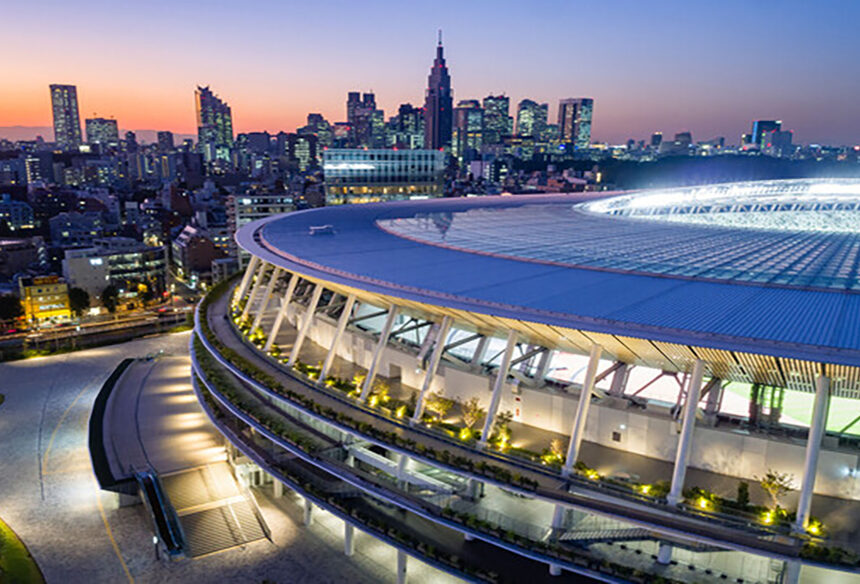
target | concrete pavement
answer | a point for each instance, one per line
(76, 533)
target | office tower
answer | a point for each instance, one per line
(214, 125)
(407, 127)
(779, 143)
(102, 131)
(574, 121)
(682, 141)
(67, 123)
(532, 118)
(760, 130)
(318, 126)
(165, 141)
(302, 151)
(467, 138)
(353, 102)
(361, 112)
(497, 122)
(438, 103)
(656, 140)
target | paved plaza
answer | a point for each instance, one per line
(77, 533)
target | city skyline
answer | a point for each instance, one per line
(272, 79)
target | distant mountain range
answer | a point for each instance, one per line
(47, 132)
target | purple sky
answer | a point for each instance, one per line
(650, 66)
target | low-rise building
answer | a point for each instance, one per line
(193, 253)
(125, 263)
(17, 215)
(250, 206)
(16, 255)
(71, 229)
(45, 299)
(367, 176)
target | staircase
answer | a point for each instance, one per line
(214, 512)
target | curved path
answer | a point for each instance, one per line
(76, 533)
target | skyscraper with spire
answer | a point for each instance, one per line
(438, 104)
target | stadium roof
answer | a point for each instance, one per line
(544, 259)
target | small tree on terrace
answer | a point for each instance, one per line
(777, 485)
(472, 412)
(439, 405)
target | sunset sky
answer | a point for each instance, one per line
(707, 67)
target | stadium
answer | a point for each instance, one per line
(622, 386)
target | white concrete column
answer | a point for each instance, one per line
(813, 447)
(277, 488)
(377, 353)
(578, 429)
(306, 324)
(261, 274)
(619, 380)
(543, 366)
(338, 333)
(267, 297)
(348, 539)
(309, 511)
(285, 304)
(435, 357)
(401, 567)
(498, 386)
(685, 440)
(480, 351)
(664, 553)
(246, 278)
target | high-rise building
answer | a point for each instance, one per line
(102, 131)
(656, 140)
(761, 129)
(574, 121)
(532, 118)
(165, 141)
(214, 125)
(318, 126)
(467, 138)
(497, 121)
(438, 104)
(67, 122)
(408, 127)
(779, 144)
(364, 119)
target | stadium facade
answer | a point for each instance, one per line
(596, 384)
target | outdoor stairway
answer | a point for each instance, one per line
(214, 513)
(590, 536)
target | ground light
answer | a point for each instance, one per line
(815, 528)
